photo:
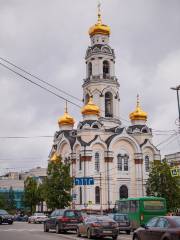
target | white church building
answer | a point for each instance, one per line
(116, 157)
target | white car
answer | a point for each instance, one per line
(37, 218)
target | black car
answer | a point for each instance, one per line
(123, 221)
(63, 220)
(5, 217)
(98, 226)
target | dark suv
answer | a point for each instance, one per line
(123, 221)
(63, 220)
(5, 217)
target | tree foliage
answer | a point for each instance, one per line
(31, 194)
(57, 185)
(162, 184)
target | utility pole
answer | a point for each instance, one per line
(101, 195)
(177, 92)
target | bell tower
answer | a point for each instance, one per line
(101, 82)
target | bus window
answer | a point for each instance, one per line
(154, 205)
(134, 205)
(124, 207)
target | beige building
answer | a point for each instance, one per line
(116, 157)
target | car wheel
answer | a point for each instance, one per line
(58, 230)
(89, 234)
(10, 223)
(136, 238)
(0, 221)
(46, 229)
(115, 237)
(78, 233)
(128, 232)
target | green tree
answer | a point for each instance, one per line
(31, 194)
(3, 204)
(161, 184)
(11, 199)
(58, 184)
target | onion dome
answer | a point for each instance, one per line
(90, 108)
(138, 114)
(54, 157)
(66, 119)
(99, 28)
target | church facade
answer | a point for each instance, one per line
(116, 157)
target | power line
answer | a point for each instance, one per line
(24, 137)
(39, 79)
(44, 88)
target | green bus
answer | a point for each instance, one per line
(141, 209)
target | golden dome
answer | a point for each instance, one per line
(66, 119)
(99, 28)
(90, 108)
(138, 114)
(55, 157)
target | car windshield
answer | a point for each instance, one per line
(103, 219)
(3, 212)
(120, 217)
(72, 214)
(177, 221)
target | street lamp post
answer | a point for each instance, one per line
(177, 91)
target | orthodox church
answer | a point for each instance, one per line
(116, 157)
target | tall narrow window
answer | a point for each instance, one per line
(86, 98)
(146, 162)
(108, 104)
(80, 163)
(97, 195)
(89, 69)
(80, 195)
(97, 161)
(105, 68)
(119, 162)
(123, 191)
(126, 167)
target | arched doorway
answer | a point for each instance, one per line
(123, 191)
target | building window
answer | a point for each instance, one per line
(119, 162)
(97, 195)
(123, 162)
(80, 163)
(80, 195)
(146, 162)
(105, 68)
(97, 162)
(86, 98)
(108, 104)
(123, 191)
(89, 69)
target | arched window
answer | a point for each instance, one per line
(97, 195)
(108, 104)
(97, 162)
(123, 162)
(146, 162)
(89, 69)
(105, 68)
(80, 195)
(80, 163)
(123, 191)
(86, 98)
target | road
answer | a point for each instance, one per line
(25, 231)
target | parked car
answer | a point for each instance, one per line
(123, 221)
(37, 218)
(98, 226)
(159, 228)
(63, 220)
(5, 217)
(20, 218)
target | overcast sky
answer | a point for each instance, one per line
(49, 38)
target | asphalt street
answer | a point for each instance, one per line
(25, 231)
